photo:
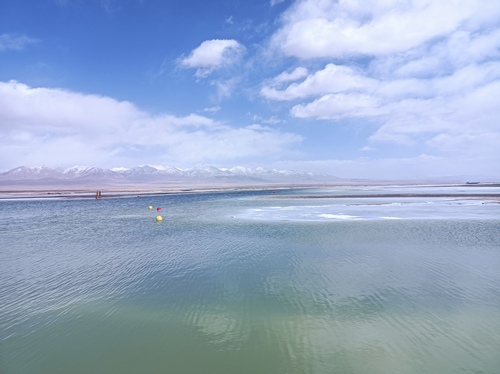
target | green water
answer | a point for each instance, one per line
(227, 285)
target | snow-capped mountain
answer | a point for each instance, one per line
(87, 171)
(149, 170)
(155, 173)
(206, 171)
(35, 172)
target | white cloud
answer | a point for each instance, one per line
(318, 28)
(272, 120)
(59, 127)
(297, 73)
(15, 42)
(463, 113)
(478, 144)
(212, 55)
(333, 78)
(231, 144)
(460, 49)
(212, 109)
(422, 73)
(336, 106)
(419, 167)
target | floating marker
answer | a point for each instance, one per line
(150, 207)
(158, 209)
(159, 218)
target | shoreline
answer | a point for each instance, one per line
(391, 195)
(57, 192)
(110, 193)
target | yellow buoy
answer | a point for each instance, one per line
(150, 207)
(159, 218)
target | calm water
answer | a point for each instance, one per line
(243, 283)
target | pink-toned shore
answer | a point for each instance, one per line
(65, 192)
(26, 192)
(105, 193)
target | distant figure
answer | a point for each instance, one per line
(98, 194)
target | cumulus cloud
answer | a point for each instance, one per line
(423, 73)
(60, 127)
(336, 106)
(317, 28)
(212, 55)
(296, 74)
(15, 42)
(333, 78)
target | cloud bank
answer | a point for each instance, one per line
(65, 128)
(426, 73)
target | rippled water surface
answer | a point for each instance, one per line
(244, 283)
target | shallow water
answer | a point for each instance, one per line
(243, 283)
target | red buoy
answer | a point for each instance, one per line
(158, 209)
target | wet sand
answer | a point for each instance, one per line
(63, 192)
(126, 192)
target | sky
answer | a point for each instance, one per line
(399, 89)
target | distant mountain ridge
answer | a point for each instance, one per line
(157, 173)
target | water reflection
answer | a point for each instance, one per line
(100, 287)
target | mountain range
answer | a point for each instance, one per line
(87, 175)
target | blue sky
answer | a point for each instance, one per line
(396, 89)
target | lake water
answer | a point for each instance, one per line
(243, 282)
